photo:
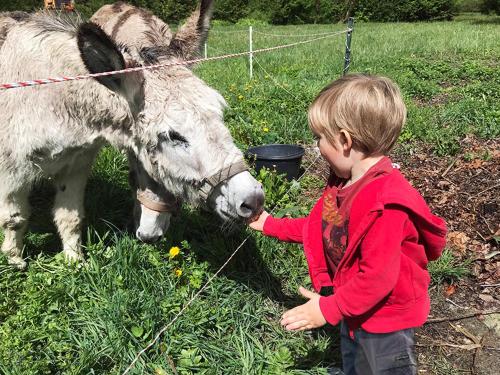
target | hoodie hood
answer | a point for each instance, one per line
(431, 228)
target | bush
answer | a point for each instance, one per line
(230, 10)
(404, 10)
(290, 11)
(490, 6)
(468, 5)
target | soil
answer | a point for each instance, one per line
(464, 189)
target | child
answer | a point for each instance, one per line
(368, 239)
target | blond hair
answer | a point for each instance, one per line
(369, 108)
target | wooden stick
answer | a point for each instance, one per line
(484, 191)
(449, 167)
(452, 319)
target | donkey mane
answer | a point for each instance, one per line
(59, 22)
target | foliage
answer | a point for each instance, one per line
(230, 10)
(448, 268)
(404, 10)
(24, 5)
(468, 5)
(281, 194)
(284, 11)
(490, 6)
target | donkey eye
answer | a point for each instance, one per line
(172, 137)
(176, 137)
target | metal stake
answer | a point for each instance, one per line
(251, 50)
(347, 58)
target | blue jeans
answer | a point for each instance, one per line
(378, 353)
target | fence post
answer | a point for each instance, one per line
(347, 58)
(250, 31)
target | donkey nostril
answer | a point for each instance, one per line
(247, 206)
(251, 205)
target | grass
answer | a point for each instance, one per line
(448, 268)
(448, 73)
(56, 319)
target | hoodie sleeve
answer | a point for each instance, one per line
(285, 229)
(379, 266)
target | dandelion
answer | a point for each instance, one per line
(178, 272)
(174, 251)
(240, 97)
(265, 130)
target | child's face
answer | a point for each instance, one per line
(338, 154)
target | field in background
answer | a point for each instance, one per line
(94, 319)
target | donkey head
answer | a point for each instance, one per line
(176, 129)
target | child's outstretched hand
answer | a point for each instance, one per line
(258, 223)
(306, 316)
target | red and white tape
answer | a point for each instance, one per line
(44, 81)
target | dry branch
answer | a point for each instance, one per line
(452, 319)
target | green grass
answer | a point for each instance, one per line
(56, 319)
(448, 268)
(447, 71)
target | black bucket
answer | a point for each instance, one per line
(282, 158)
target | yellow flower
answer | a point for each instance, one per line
(178, 272)
(265, 130)
(160, 371)
(240, 97)
(174, 251)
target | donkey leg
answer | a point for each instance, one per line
(69, 212)
(14, 214)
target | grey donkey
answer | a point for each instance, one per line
(168, 119)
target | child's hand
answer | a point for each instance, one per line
(306, 316)
(258, 223)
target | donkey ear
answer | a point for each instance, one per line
(189, 39)
(100, 54)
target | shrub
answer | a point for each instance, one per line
(490, 6)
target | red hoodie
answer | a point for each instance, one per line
(381, 281)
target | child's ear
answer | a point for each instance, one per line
(345, 140)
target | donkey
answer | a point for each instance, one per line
(139, 28)
(153, 206)
(169, 119)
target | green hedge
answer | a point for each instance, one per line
(290, 11)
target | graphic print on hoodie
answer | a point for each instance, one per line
(337, 204)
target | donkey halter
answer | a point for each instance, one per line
(150, 200)
(205, 187)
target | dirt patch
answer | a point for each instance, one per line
(465, 190)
